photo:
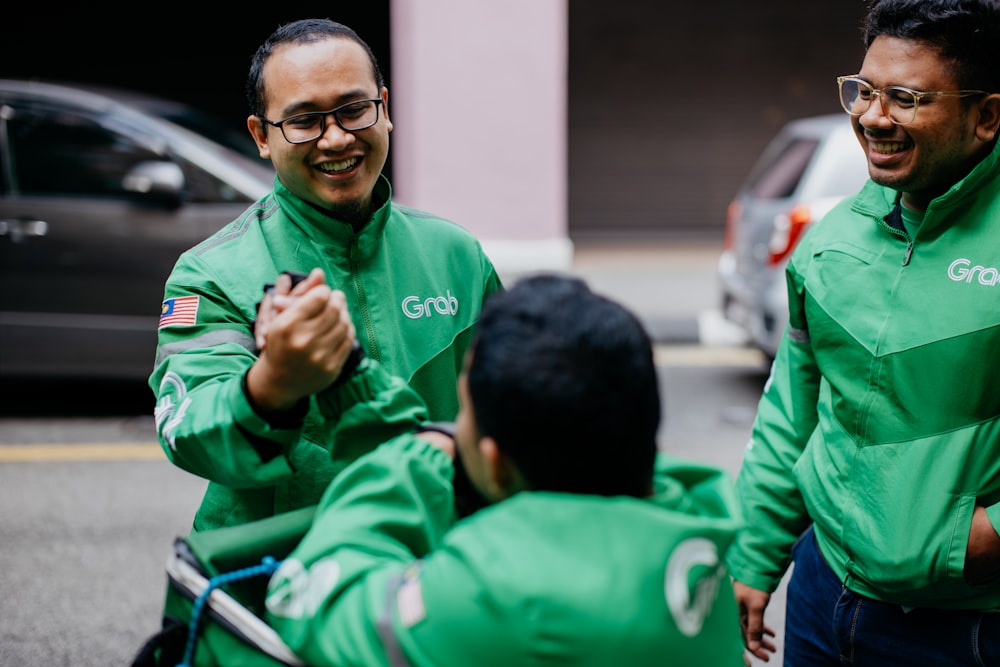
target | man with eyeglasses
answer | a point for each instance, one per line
(246, 396)
(874, 461)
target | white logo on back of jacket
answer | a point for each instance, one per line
(416, 307)
(694, 573)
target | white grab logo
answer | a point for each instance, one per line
(689, 611)
(414, 307)
(168, 414)
(959, 272)
(295, 592)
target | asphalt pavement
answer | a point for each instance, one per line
(670, 284)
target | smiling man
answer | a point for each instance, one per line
(874, 461)
(252, 411)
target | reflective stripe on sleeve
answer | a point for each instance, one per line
(393, 650)
(210, 339)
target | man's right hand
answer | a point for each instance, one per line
(756, 636)
(304, 336)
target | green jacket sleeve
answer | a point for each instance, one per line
(204, 420)
(371, 408)
(772, 506)
(328, 600)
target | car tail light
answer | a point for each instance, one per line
(786, 232)
(732, 216)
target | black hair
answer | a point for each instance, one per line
(966, 32)
(299, 32)
(564, 380)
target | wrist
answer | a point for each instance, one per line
(266, 402)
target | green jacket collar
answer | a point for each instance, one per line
(327, 230)
(878, 200)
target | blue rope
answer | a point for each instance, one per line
(267, 566)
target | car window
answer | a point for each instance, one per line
(208, 126)
(779, 174)
(60, 152)
(842, 168)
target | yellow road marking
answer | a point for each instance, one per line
(665, 355)
(81, 452)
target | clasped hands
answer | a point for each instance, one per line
(303, 335)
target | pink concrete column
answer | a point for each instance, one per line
(478, 103)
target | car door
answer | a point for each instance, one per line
(83, 254)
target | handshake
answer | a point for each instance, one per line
(357, 354)
(304, 331)
(277, 299)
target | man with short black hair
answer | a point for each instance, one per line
(249, 408)
(597, 550)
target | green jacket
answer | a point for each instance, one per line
(384, 578)
(880, 422)
(414, 284)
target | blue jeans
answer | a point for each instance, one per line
(826, 625)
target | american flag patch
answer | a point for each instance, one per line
(410, 599)
(180, 310)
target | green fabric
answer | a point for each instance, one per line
(223, 551)
(911, 219)
(881, 419)
(370, 409)
(539, 579)
(415, 285)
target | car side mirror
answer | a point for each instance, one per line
(158, 181)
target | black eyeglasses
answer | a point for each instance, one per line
(898, 103)
(305, 127)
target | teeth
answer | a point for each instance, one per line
(888, 146)
(343, 165)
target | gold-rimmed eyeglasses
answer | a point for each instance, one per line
(305, 127)
(899, 104)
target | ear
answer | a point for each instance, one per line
(503, 479)
(259, 133)
(385, 108)
(989, 118)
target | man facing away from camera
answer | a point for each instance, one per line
(596, 550)
(874, 461)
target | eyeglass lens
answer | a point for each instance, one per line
(898, 103)
(350, 117)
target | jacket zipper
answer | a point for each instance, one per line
(372, 348)
(899, 232)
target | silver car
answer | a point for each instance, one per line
(809, 166)
(98, 197)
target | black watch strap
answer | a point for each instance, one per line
(354, 360)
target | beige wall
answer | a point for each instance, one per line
(478, 104)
